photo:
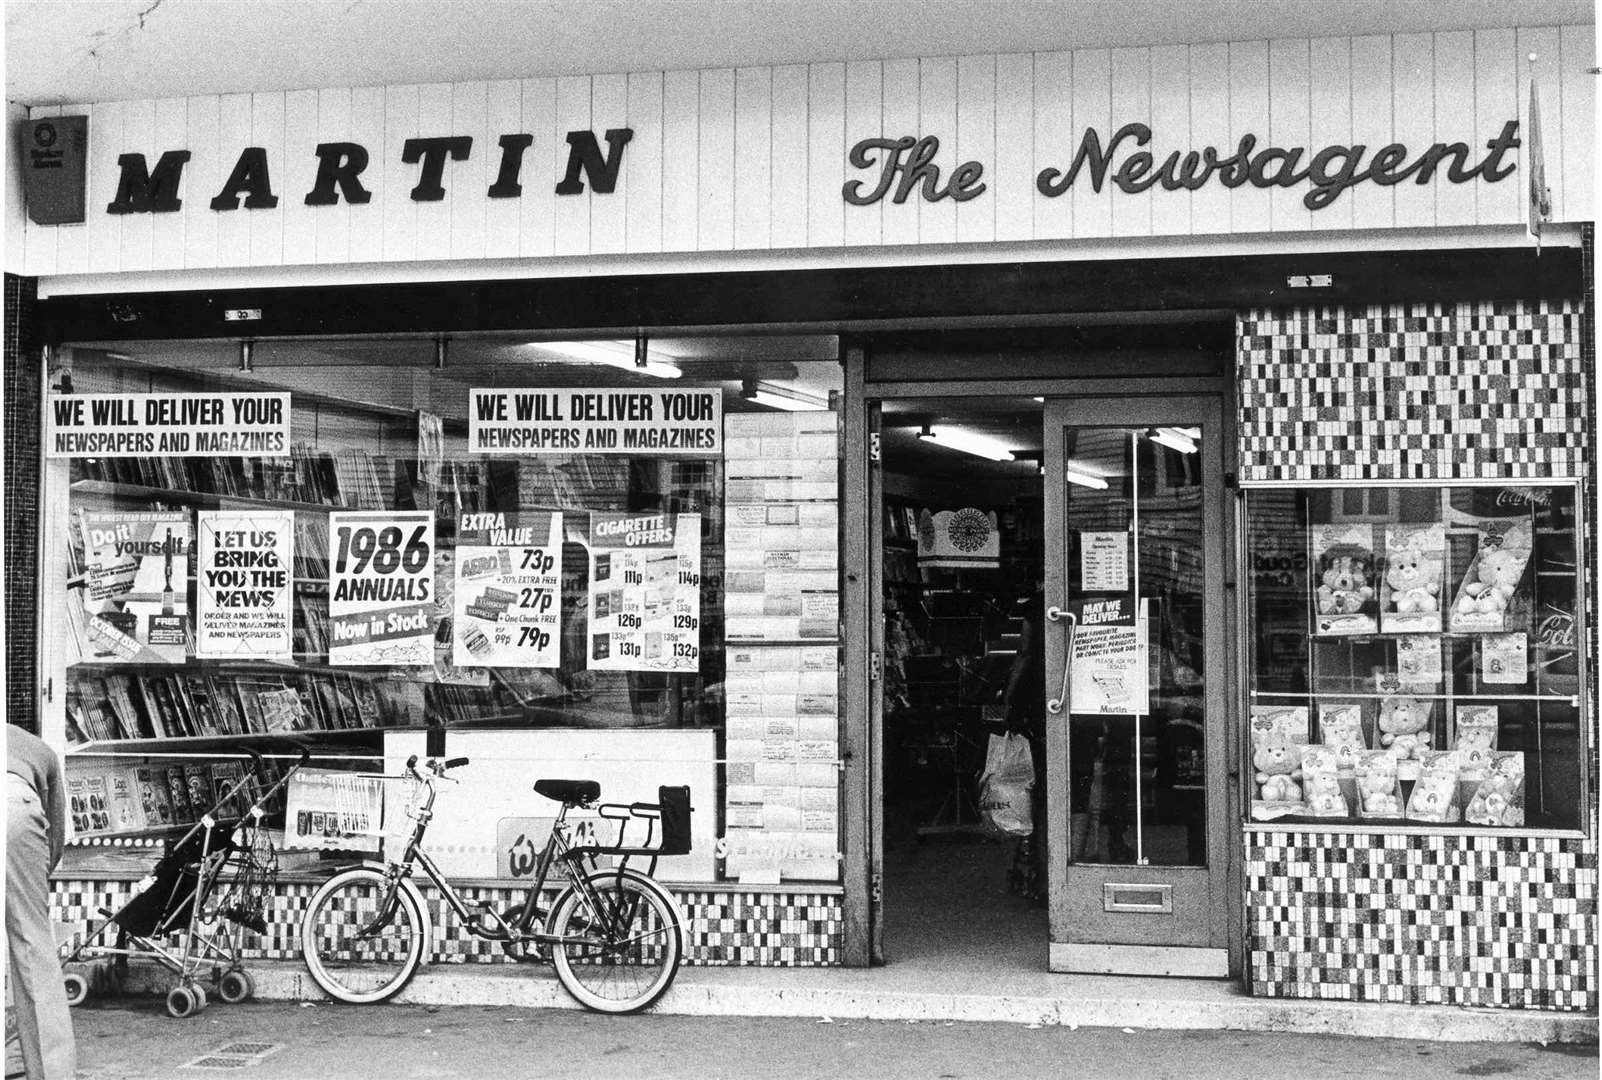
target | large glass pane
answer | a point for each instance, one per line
(644, 544)
(1137, 767)
(1415, 655)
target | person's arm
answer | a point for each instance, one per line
(55, 807)
(1020, 663)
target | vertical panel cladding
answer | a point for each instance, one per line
(723, 929)
(1414, 392)
(22, 429)
(1481, 921)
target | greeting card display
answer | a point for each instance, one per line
(1499, 799)
(1493, 596)
(1344, 601)
(1340, 727)
(1434, 797)
(1410, 593)
(1475, 739)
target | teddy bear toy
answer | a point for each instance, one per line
(1403, 724)
(1496, 579)
(1345, 587)
(1378, 792)
(1413, 585)
(1278, 769)
(1324, 798)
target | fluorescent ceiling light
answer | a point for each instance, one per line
(969, 442)
(1078, 474)
(783, 397)
(618, 354)
(1175, 439)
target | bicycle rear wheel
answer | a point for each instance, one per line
(622, 958)
(351, 967)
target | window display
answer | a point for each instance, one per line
(326, 543)
(1414, 655)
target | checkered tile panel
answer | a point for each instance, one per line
(769, 929)
(1451, 920)
(1424, 391)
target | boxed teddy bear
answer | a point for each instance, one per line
(1277, 733)
(1321, 783)
(1410, 592)
(1379, 791)
(1499, 799)
(1405, 731)
(1435, 798)
(1492, 596)
(1344, 601)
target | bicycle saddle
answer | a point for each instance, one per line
(572, 792)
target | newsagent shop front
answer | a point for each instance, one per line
(1205, 461)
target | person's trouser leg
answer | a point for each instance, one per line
(38, 993)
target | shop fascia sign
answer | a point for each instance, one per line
(901, 166)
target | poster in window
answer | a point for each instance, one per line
(645, 592)
(242, 584)
(508, 590)
(1104, 561)
(381, 588)
(136, 585)
(1108, 669)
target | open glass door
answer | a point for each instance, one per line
(1136, 672)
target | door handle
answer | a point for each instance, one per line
(1057, 614)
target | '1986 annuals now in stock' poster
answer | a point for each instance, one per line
(381, 588)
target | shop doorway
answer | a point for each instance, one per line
(961, 549)
(997, 519)
(1137, 668)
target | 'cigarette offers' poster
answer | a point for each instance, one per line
(645, 592)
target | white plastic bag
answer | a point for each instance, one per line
(1005, 785)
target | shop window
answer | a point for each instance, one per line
(565, 555)
(1415, 656)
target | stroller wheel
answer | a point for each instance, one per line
(183, 1001)
(77, 987)
(235, 986)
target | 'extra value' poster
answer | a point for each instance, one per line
(136, 585)
(242, 584)
(508, 590)
(381, 588)
(645, 592)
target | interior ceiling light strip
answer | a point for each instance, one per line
(1077, 474)
(618, 354)
(969, 442)
(782, 397)
(1175, 439)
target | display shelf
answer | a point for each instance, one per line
(209, 499)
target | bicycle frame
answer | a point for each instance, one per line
(491, 927)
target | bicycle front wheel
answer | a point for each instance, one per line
(352, 966)
(622, 957)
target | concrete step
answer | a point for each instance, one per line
(913, 993)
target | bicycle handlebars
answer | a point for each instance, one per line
(434, 765)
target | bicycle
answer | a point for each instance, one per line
(614, 935)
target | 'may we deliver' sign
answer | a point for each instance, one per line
(682, 421)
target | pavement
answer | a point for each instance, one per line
(132, 1039)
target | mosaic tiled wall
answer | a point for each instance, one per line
(1426, 391)
(21, 408)
(1453, 920)
(724, 929)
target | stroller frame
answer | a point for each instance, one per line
(183, 883)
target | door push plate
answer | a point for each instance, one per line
(1128, 897)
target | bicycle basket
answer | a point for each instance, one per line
(675, 803)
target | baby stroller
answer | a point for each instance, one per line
(209, 887)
